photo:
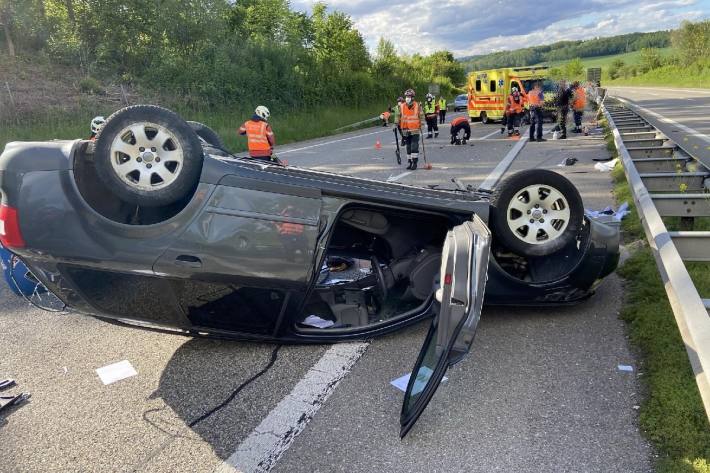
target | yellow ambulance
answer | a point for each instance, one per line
(488, 90)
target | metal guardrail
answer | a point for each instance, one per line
(680, 186)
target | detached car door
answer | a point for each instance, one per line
(464, 267)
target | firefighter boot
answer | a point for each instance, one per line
(414, 163)
(409, 163)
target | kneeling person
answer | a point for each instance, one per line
(457, 125)
(260, 136)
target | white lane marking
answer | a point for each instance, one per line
(331, 142)
(398, 176)
(488, 135)
(503, 166)
(260, 451)
(687, 129)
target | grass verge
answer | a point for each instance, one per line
(672, 416)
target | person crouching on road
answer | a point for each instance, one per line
(385, 116)
(410, 120)
(442, 110)
(515, 112)
(579, 102)
(260, 137)
(431, 113)
(459, 124)
(536, 99)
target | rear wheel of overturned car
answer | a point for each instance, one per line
(536, 212)
(208, 134)
(148, 156)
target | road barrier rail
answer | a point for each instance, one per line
(667, 180)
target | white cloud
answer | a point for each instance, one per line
(469, 27)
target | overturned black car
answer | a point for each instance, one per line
(155, 224)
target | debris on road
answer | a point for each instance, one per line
(627, 368)
(8, 401)
(606, 166)
(7, 383)
(116, 372)
(618, 214)
(401, 382)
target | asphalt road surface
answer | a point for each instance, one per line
(683, 114)
(540, 390)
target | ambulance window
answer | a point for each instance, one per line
(478, 85)
(493, 86)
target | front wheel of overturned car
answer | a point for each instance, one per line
(208, 134)
(148, 156)
(536, 212)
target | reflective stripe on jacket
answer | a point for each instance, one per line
(409, 118)
(260, 138)
(513, 106)
(430, 108)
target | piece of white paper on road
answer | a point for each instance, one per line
(401, 383)
(116, 372)
(315, 321)
(606, 166)
(625, 368)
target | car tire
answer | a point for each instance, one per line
(539, 201)
(207, 134)
(484, 118)
(148, 156)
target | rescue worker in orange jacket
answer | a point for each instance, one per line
(409, 119)
(458, 125)
(536, 100)
(385, 116)
(514, 105)
(579, 102)
(260, 136)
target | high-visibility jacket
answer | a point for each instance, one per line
(260, 137)
(410, 118)
(536, 98)
(385, 116)
(458, 121)
(442, 103)
(513, 106)
(580, 99)
(430, 108)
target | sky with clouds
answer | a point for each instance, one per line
(468, 27)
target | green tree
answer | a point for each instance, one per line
(574, 69)
(650, 59)
(615, 68)
(692, 41)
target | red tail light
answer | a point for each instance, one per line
(10, 235)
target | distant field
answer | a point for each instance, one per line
(633, 57)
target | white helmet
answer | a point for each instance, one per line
(515, 89)
(262, 112)
(97, 123)
(429, 97)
